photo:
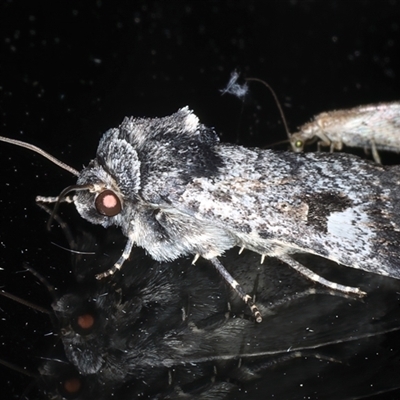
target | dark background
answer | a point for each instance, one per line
(70, 70)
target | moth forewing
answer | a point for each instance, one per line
(372, 127)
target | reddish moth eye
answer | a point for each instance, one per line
(72, 386)
(85, 321)
(108, 203)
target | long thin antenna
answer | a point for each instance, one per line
(276, 101)
(25, 302)
(41, 152)
(19, 369)
(43, 281)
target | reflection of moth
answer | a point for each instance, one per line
(175, 190)
(157, 352)
(172, 331)
(373, 127)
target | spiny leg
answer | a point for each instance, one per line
(316, 278)
(237, 288)
(117, 266)
(43, 199)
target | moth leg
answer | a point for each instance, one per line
(316, 278)
(375, 153)
(196, 257)
(237, 288)
(117, 266)
(43, 199)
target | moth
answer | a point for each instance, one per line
(175, 190)
(371, 127)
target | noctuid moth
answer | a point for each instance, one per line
(175, 190)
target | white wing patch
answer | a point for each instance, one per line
(351, 228)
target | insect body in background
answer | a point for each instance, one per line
(372, 127)
(175, 191)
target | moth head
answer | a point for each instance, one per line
(110, 182)
(80, 326)
(107, 186)
(60, 380)
(105, 202)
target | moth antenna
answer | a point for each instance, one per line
(88, 253)
(54, 360)
(25, 302)
(277, 102)
(61, 197)
(19, 369)
(41, 152)
(43, 281)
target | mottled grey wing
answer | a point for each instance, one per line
(334, 205)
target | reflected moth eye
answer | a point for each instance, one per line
(83, 324)
(108, 203)
(72, 385)
(85, 321)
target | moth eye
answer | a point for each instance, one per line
(70, 387)
(84, 323)
(108, 203)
